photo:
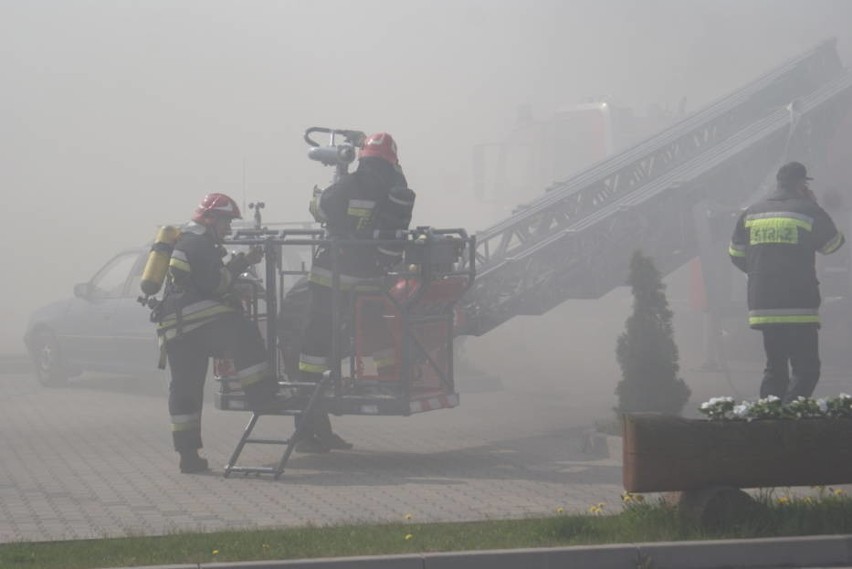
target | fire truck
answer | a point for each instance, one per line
(674, 195)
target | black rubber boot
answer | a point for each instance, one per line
(326, 436)
(191, 463)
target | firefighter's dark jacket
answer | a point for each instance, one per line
(774, 242)
(199, 284)
(373, 198)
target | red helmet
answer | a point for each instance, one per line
(216, 205)
(380, 144)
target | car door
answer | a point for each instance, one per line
(87, 339)
(134, 335)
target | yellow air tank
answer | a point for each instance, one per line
(158, 260)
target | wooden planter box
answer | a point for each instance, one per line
(664, 453)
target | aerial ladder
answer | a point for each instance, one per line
(660, 196)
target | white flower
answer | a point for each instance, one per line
(741, 410)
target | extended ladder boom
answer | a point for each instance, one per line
(575, 241)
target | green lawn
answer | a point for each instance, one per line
(830, 512)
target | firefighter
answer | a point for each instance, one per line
(373, 197)
(774, 243)
(200, 318)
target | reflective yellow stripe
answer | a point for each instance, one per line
(833, 244)
(173, 332)
(313, 364)
(755, 320)
(359, 212)
(195, 312)
(189, 422)
(179, 264)
(312, 369)
(736, 251)
(393, 199)
(252, 374)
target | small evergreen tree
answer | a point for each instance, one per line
(646, 350)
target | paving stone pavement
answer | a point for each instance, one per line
(92, 460)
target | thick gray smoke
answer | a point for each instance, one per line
(118, 116)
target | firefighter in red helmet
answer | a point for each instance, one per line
(199, 318)
(374, 197)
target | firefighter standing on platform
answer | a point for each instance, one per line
(774, 242)
(199, 318)
(374, 197)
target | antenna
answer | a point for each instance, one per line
(244, 182)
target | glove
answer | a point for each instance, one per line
(239, 263)
(255, 255)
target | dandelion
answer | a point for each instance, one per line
(408, 536)
(596, 509)
(629, 498)
(784, 500)
(560, 510)
(838, 491)
(215, 552)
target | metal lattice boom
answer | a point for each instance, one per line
(575, 241)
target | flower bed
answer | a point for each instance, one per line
(721, 408)
(762, 444)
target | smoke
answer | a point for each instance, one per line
(118, 115)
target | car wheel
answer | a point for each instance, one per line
(49, 369)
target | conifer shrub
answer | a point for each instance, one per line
(646, 351)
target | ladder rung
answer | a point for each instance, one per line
(268, 441)
(252, 469)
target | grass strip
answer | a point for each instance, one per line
(829, 513)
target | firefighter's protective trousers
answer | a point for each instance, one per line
(796, 346)
(231, 335)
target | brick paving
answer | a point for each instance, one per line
(94, 460)
(90, 460)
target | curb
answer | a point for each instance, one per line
(788, 552)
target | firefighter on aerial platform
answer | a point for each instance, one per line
(375, 197)
(774, 242)
(200, 318)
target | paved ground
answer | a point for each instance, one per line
(91, 461)
(95, 460)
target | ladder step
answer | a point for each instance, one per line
(252, 469)
(268, 441)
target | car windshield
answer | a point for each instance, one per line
(111, 280)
